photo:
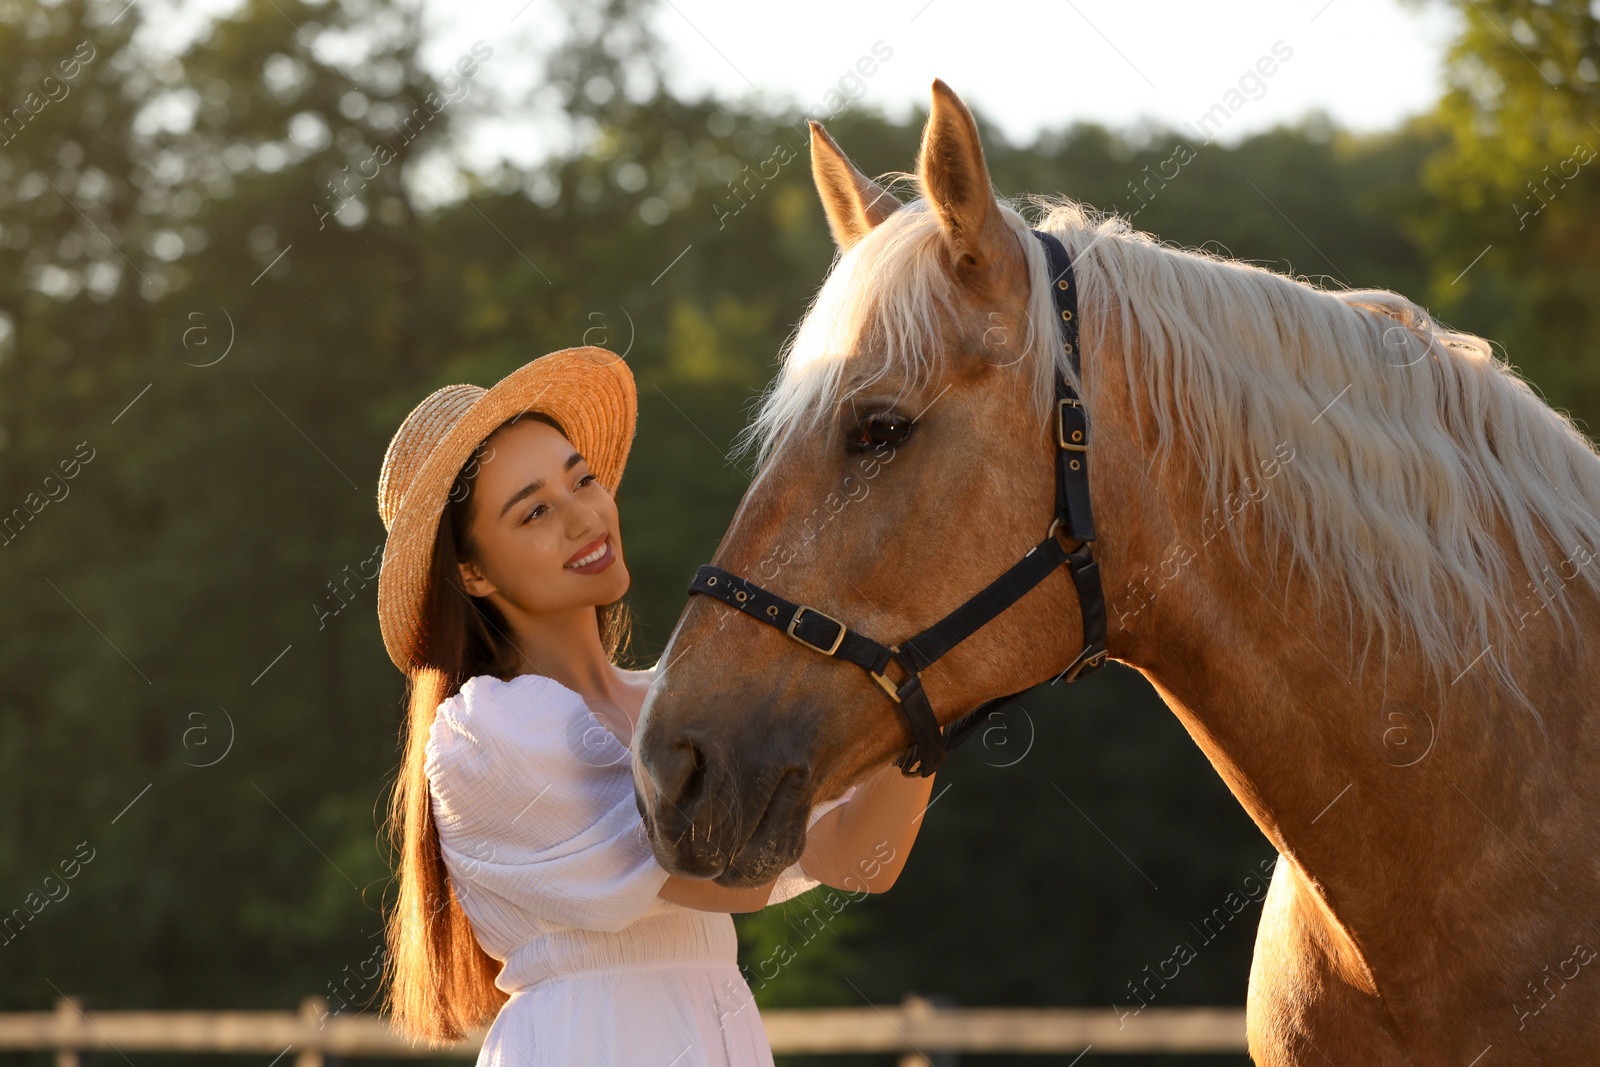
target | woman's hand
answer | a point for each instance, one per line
(863, 844)
(702, 894)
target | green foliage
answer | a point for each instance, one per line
(1516, 184)
(798, 953)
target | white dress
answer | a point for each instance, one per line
(533, 799)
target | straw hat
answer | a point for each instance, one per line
(588, 390)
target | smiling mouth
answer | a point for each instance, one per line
(595, 552)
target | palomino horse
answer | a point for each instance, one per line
(1382, 658)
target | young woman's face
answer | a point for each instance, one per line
(545, 531)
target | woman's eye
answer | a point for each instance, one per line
(880, 428)
(586, 480)
(535, 512)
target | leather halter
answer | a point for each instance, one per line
(823, 633)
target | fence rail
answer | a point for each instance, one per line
(913, 1028)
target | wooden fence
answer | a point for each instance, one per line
(914, 1028)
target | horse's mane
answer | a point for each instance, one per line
(1408, 438)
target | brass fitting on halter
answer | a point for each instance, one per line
(883, 682)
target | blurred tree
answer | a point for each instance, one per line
(310, 119)
(279, 265)
(1514, 248)
(76, 249)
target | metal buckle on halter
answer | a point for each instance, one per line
(1055, 526)
(1061, 426)
(884, 683)
(1088, 664)
(837, 641)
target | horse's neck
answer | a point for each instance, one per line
(1439, 835)
(1443, 837)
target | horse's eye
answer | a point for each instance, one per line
(880, 428)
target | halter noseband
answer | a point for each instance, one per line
(823, 633)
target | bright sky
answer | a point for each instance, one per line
(1026, 64)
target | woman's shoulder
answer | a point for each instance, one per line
(484, 694)
(520, 699)
(491, 716)
(490, 701)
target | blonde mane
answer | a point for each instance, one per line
(1408, 439)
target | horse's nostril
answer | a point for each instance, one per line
(679, 775)
(694, 783)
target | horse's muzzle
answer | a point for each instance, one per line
(733, 814)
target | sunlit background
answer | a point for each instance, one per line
(215, 329)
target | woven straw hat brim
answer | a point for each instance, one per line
(588, 390)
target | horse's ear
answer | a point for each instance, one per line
(853, 202)
(956, 183)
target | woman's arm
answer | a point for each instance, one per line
(702, 894)
(864, 843)
(861, 844)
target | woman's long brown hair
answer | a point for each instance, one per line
(440, 981)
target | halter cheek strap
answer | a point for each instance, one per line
(823, 633)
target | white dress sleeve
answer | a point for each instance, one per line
(794, 881)
(532, 814)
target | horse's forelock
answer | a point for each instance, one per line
(880, 314)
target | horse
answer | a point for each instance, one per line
(1350, 548)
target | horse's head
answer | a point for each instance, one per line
(907, 452)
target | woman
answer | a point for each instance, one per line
(528, 892)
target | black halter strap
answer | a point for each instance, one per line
(823, 633)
